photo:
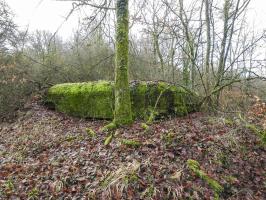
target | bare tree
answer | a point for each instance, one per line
(7, 28)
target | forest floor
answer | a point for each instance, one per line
(48, 155)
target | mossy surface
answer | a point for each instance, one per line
(131, 143)
(96, 99)
(194, 166)
(122, 112)
(91, 133)
(92, 99)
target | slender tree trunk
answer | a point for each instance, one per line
(186, 72)
(154, 51)
(208, 50)
(157, 47)
(122, 114)
(221, 65)
(172, 57)
(191, 45)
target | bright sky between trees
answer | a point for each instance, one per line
(50, 14)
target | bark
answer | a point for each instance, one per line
(122, 114)
(190, 42)
(186, 73)
(157, 46)
(208, 49)
(221, 65)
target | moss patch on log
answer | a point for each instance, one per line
(96, 99)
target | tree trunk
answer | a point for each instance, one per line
(208, 51)
(122, 114)
(221, 64)
(186, 70)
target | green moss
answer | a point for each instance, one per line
(182, 104)
(194, 166)
(260, 133)
(70, 138)
(148, 193)
(158, 90)
(90, 133)
(168, 138)
(96, 99)
(9, 185)
(109, 127)
(228, 121)
(131, 143)
(92, 99)
(263, 137)
(230, 179)
(145, 126)
(131, 178)
(108, 140)
(152, 117)
(33, 194)
(138, 96)
(122, 114)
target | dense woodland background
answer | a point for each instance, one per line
(206, 46)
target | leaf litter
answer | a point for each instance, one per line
(48, 155)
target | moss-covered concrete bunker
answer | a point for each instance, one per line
(96, 99)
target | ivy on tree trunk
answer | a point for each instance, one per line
(122, 114)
